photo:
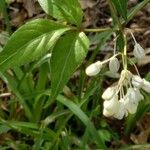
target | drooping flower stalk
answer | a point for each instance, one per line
(123, 98)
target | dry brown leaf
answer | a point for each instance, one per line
(19, 18)
(29, 5)
(87, 3)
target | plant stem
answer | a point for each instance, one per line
(125, 52)
(98, 30)
(6, 18)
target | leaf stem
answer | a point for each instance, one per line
(98, 30)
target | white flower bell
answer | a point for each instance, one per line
(114, 65)
(121, 111)
(111, 106)
(138, 51)
(137, 81)
(129, 106)
(109, 93)
(146, 86)
(134, 95)
(93, 69)
(106, 113)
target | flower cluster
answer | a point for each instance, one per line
(123, 98)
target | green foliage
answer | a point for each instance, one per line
(121, 6)
(78, 112)
(135, 9)
(67, 55)
(30, 42)
(69, 11)
(2, 6)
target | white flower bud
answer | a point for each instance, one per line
(146, 86)
(108, 93)
(93, 69)
(114, 65)
(137, 81)
(138, 51)
(111, 106)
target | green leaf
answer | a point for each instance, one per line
(131, 13)
(67, 55)
(65, 10)
(84, 118)
(4, 128)
(30, 42)
(121, 7)
(2, 6)
(32, 129)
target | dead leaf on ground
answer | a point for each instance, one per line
(29, 5)
(19, 18)
(87, 3)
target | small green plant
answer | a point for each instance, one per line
(39, 59)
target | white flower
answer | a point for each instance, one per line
(131, 100)
(109, 93)
(137, 81)
(138, 51)
(93, 69)
(146, 86)
(134, 95)
(106, 113)
(121, 111)
(114, 65)
(111, 106)
(129, 106)
(125, 77)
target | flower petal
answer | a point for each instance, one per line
(137, 81)
(146, 86)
